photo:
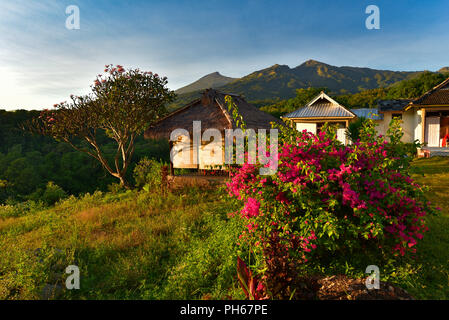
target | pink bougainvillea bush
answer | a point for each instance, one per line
(327, 200)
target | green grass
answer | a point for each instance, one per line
(140, 245)
(128, 246)
(430, 277)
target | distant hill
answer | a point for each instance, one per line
(280, 82)
(409, 89)
(212, 80)
(444, 70)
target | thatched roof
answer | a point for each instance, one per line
(211, 109)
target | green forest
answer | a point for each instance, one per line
(29, 162)
(411, 88)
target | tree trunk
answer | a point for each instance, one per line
(124, 183)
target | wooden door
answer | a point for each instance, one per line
(433, 131)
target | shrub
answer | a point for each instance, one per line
(328, 200)
(20, 209)
(147, 174)
(50, 195)
(53, 193)
(354, 128)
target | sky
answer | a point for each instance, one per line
(42, 62)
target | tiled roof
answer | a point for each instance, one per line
(368, 113)
(437, 96)
(393, 105)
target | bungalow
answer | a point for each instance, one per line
(431, 113)
(425, 119)
(324, 109)
(212, 111)
(390, 109)
(317, 112)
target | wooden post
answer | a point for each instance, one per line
(164, 179)
(172, 169)
(346, 137)
(423, 125)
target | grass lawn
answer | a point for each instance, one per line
(140, 245)
(431, 277)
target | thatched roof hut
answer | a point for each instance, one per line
(211, 109)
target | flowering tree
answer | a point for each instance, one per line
(122, 104)
(327, 199)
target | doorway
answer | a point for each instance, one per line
(432, 136)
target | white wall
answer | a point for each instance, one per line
(183, 154)
(211, 155)
(409, 124)
(310, 127)
(418, 126)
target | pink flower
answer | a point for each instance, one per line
(251, 208)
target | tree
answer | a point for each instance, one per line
(303, 96)
(122, 104)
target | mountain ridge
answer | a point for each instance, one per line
(211, 80)
(279, 82)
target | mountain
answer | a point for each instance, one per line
(212, 80)
(280, 81)
(444, 70)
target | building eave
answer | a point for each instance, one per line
(423, 106)
(320, 118)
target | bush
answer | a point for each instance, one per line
(53, 193)
(147, 174)
(20, 209)
(354, 128)
(328, 200)
(50, 195)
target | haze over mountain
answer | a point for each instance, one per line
(212, 80)
(280, 81)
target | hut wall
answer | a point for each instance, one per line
(183, 154)
(211, 155)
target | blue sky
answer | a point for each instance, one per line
(42, 62)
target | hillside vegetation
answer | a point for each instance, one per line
(280, 82)
(29, 162)
(212, 80)
(128, 245)
(139, 245)
(411, 88)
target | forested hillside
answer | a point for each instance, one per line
(411, 88)
(28, 162)
(279, 82)
(212, 80)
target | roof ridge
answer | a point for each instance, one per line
(225, 112)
